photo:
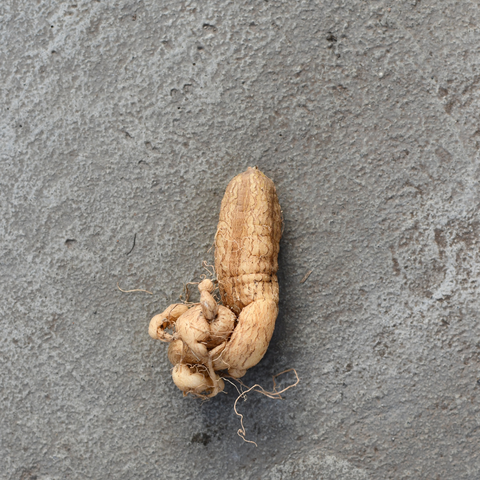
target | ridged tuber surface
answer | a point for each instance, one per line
(246, 262)
(208, 337)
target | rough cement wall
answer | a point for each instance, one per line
(123, 118)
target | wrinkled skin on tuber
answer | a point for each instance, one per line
(208, 337)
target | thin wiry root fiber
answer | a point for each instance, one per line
(274, 394)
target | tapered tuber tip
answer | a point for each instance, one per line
(206, 285)
(155, 322)
(190, 379)
(237, 373)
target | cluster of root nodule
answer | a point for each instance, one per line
(198, 337)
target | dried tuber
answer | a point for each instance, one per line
(208, 338)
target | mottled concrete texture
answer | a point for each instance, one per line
(123, 118)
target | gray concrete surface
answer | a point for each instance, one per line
(123, 118)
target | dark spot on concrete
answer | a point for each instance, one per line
(202, 438)
(210, 28)
(449, 106)
(439, 238)
(339, 91)
(150, 146)
(70, 242)
(467, 234)
(443, 155)
(442, 92)
(28, 474)
(396, 266)
(331, 37)
(441, 241)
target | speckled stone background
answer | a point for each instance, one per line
(126, 119)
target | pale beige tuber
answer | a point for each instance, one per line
(207, 338)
